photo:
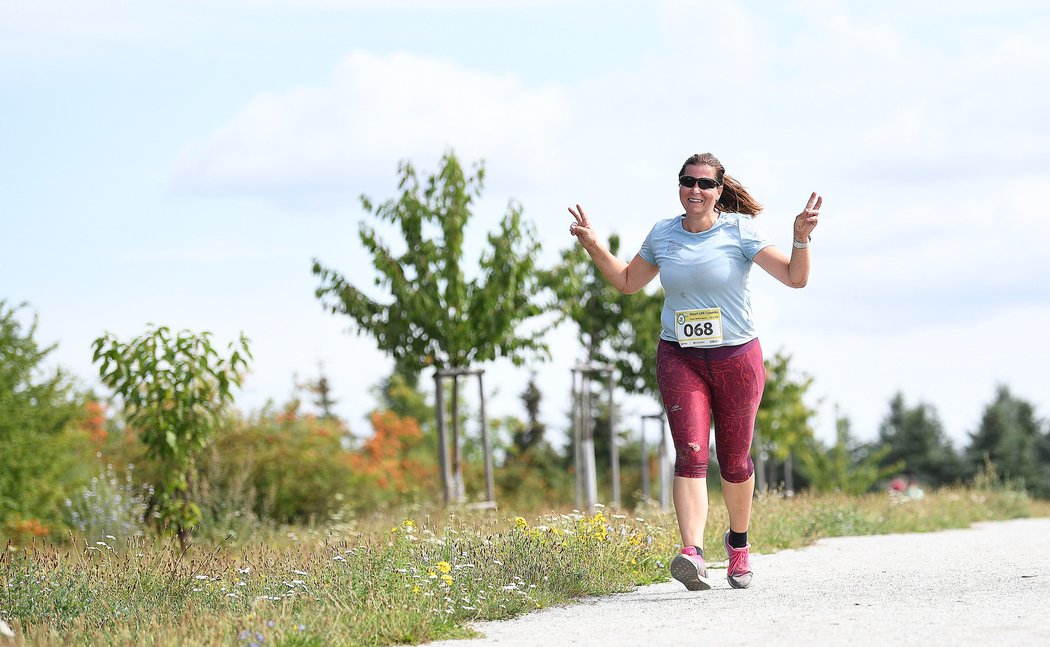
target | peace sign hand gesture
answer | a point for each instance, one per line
(806, 221)
(581, 228)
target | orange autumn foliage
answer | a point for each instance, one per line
(95, 422)
(392, 455)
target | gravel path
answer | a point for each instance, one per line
(987, 585)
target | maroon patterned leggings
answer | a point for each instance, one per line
(698, 382)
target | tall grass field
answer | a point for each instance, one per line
(409, 577)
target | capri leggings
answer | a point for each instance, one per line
(698, 382)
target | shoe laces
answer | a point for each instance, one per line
(739, 560)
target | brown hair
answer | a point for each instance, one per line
(735, 198)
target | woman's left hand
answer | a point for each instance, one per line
(806, 221)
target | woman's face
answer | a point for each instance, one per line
(697, 200)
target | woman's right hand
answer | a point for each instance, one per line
(581, 227)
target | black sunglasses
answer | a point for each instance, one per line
(688, 181)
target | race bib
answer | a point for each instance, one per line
(702, 327)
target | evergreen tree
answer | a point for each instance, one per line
(914, 438)
(1011, 437)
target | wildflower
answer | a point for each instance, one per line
(444, 567)
(409, 524)
(299, 572)
(447, 579)
(520, 523)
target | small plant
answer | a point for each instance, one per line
(110, 505)
(174, 388)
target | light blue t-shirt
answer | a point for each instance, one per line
(708, 269)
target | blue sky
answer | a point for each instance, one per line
(182, 163)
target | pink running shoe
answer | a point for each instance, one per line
(739, 571)
(688, 568)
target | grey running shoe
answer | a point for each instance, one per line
(739, 570)
(688, 568)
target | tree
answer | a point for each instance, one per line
(533, 473)
(322, 392)
(847, 466)
(1012, 438)
(614, 328)
(174, 388)
(39, 451)
(782, 425)
(434, 315)
(915, 439)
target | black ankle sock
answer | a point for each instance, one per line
(737, 539)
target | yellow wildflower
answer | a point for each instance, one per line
(444, 567)
(520, 523)
(409, 524)
(447, 579)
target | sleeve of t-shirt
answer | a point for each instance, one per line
(646, 252)
(752, 238)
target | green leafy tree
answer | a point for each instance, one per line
(847, 466)
(614, 328)
(1012, 438)
(783, 422)
(915, 440)
(434, 315)
(175, 388)
(40, 451)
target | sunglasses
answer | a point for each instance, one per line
(688, 181)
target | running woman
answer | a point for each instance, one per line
(709, 361)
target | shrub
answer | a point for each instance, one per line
(110, 505)
(42, 452)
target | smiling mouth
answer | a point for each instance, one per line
(696, 200)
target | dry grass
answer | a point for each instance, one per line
(410, 578)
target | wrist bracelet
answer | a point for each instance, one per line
(798, 245)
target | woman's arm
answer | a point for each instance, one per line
(793, 272)
(625, 277)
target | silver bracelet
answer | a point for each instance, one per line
(798, 245)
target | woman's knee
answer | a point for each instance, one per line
(737, 469)
(691, 463)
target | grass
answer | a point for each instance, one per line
(418, 578)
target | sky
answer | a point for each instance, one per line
(183, 163)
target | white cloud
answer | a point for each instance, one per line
(375, 112)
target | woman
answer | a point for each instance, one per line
(709, 361)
